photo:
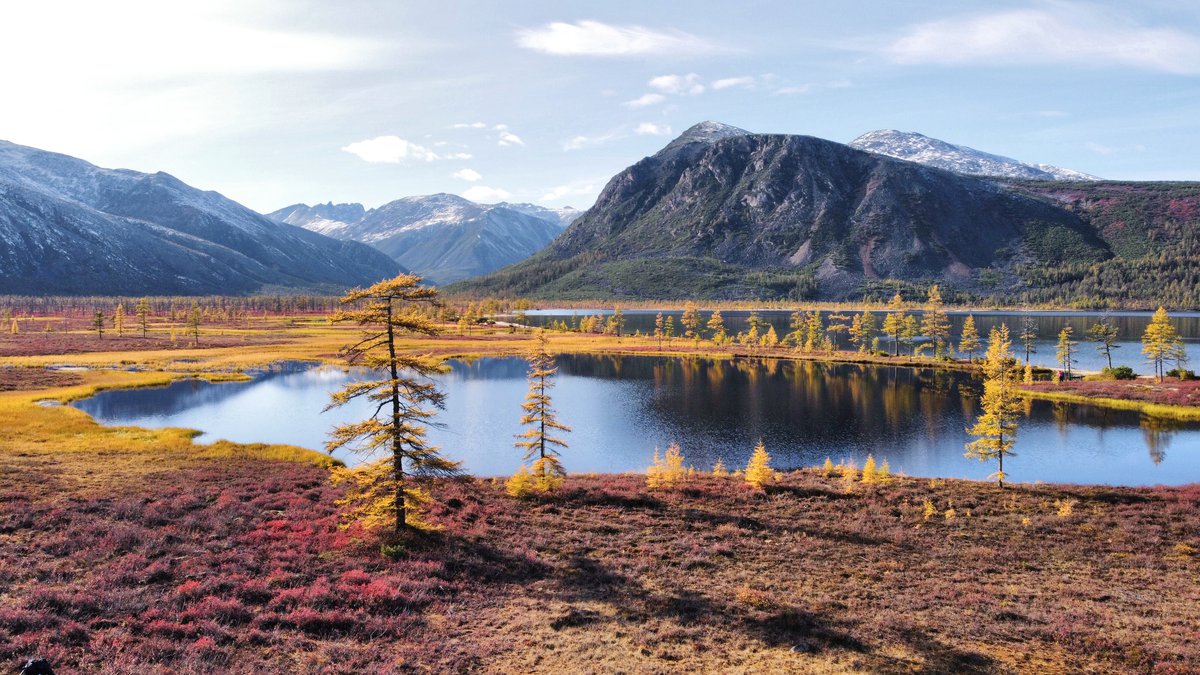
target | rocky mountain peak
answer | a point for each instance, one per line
(914, 147)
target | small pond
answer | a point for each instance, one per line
(621, 408)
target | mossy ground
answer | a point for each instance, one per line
(130, 549)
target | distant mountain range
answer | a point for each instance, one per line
(960, 159)
(441, 237)
(724, 213)
(69, 227)
(719, 212)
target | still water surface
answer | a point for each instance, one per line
(620, 408)
(1130, 325)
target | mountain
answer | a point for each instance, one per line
(69, 227)
(921, 149)
(724, 213)
(441, 237)
(562, 216)
(323, 218)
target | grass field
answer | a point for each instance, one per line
(125, 549)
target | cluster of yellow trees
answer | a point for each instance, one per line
(668, 471)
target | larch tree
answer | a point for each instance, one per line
(771, 339)
(996, 427)
(616, 322)
(669, 328)
(194, 319)
(935, 323)
(758, 471)
(691, 321)
(98, 323)
(797, 322)
(381, 490)
(119, 319)
(716, 326)
(659, 328)
(1105, 333)
(910, 331)
(142, 312)
(538, 441)
(1065, 352)
(893, 323)
(968, 341)
(862, 330)
(1160, 342)
(1028, 335)
(814, 331)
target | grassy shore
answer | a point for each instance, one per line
(126, 549)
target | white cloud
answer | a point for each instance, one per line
(593, 38)
(652, 129)
(457, 155)
(509, 138)
(500, 127)
(645, 100)
(560, 192)
(1060, 33)
(389, 150)
(580, 142)
(678, 84)
(486, 195)
(795, 89)
(469, 125)
(113, 76)
(469, 175)
(728, 82)
(1099, 149)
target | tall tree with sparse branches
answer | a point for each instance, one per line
(1160, 341)
(935, 323)
(1028, 335)
(996, 428)
(538, 441)
(969, 339)
(405, 399)
(142, 311)
(1105, 333)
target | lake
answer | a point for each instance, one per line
(1130, 325)
(621, 408)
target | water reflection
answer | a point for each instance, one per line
(621, 407)
(1128, 351)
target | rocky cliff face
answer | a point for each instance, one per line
(69, 227)
(798, 213)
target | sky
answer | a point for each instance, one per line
(275, 102)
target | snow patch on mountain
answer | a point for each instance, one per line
(442, 237)
(914, 147)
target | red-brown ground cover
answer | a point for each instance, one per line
(123, 563)
(36, 344)
(1168, 392)
(26, 379)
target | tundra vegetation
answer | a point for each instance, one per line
(143, 550)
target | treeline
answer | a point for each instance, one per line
(232, 306)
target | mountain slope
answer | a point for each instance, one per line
(914, 147)
(67, 226)
(721, 212)
(442, 237)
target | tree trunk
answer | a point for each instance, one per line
(397, 457)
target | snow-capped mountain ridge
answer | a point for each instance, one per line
(68, 226)
(914, 147)
(442, 237)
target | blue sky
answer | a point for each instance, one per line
(273, 102)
